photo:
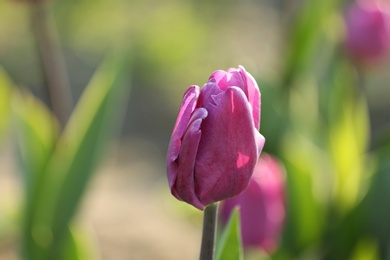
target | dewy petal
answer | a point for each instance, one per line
(227, 151)
(184, 187)
(251, 90)
(186, 108)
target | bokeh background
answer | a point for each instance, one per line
(295, 50)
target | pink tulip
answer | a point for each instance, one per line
(368, 30)
(261, 206)
(216, 141)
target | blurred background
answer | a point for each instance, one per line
(324, 116)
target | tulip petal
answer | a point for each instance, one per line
(227, 151)
(186, 108)
(184, 187)
(206, 92)
(260, 141)
(261, 205)
(242, 79)
(217, 76)
(251, 90)
(230, 78)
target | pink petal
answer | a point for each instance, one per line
(184, 187)
(260, 141)
(244, 80)
(186, 108)
(230, 78)
(261, 205)
(253, 93)
(209, 89)
(217, 76)
(227, 138)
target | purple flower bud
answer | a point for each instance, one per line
(261, 205)
(368, 30)
(216, 141)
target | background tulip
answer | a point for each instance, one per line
(368, 31)
(261, 205)
(216, 141)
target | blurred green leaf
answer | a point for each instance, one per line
(305, 36)
(308, 186)
(349, 131)
(366, 249)
(77, 246)
(5, 97)
(348, 144)
(274, 120)
(344, 232)
(71, 248)
(37, 131)
(230, 244)
(76, 156)
(377, 205)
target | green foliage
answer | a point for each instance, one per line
(306, 186)
(62, 175)
(307, 29)
(5, 94)
(377, 205)
(230, 244)
(77, 246)
(37, 131)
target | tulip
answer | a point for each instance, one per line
(216, 141)
(261, 206)
(367, 30)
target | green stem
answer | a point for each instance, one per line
(209, 228)
(55, 73)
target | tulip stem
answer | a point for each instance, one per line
(208, 238)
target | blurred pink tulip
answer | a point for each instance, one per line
(216, 141)
(261, 206)
(368, 30)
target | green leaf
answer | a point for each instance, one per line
(348, 144)
(77, 246)
(349, 131)
(75, 158)
(377, 204)
(230, 244)
(306, 32)
(308, 186)
(366, 249)
(5, 96)
(37, 131)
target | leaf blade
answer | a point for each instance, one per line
(230, 244)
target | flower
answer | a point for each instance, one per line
(367, 30)
(216, 141)
(261, 206)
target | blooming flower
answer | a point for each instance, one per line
(261, 206)
(216, 141)
(368, 30)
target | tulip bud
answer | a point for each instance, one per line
(261, 206)
(368, 30)
(216, 141)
